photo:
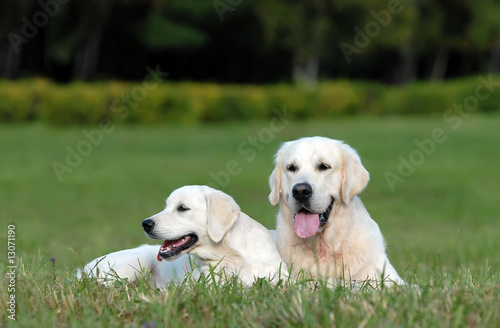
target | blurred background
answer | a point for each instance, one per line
(239, 41)
(77, 62)
(106, 106)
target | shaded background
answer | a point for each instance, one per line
(242, 41)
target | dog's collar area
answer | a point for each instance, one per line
(173, 248)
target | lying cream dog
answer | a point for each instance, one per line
(202, 222)
(322, 225)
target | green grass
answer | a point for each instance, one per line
(441, 225)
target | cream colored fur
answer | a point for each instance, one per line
(350, 246)
(228, 240)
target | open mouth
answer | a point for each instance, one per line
(308, 223)
(173, 248)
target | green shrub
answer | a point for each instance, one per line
(338, 99)
(189, 102)
(298, 101)
(467, 89)
(16, 102)
(424, 98)
(77, 103)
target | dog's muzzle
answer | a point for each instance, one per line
(308, 223)
(170, 248)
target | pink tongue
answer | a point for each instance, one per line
(306, 224)
(163, 246)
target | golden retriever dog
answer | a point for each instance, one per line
(323, 227)
(199, 225)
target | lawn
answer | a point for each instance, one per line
(441, 223)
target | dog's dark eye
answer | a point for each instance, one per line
(323, 167)
(291, 168)
(182, 208)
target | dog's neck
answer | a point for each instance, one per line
(334, 230)
(244, 257)
(258, 254)
(249, 249)
(218, 256)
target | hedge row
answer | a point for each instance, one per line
(84, 103)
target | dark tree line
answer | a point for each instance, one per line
(242, 41)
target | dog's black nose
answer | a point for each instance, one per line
(148, 225)
(302, 191)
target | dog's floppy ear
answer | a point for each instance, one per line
(354, 175)
(275, 181)
(222, 212)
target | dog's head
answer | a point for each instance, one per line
(311, 174)
(194, 216)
